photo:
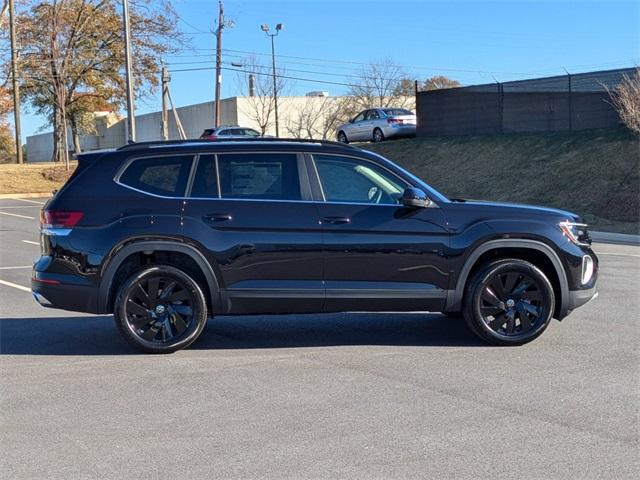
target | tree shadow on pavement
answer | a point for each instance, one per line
(97, 335)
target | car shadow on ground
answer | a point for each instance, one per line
(97, 335)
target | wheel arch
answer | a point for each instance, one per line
(106, 289)
(515, 248)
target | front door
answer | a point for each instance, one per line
(260, 231)
(378, 255)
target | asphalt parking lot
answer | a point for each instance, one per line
(316, 396)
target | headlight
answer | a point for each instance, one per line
(576, 232)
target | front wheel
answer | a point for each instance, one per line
(509, 302)
(160, 309)
(342, 137)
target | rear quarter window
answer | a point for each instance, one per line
(165, 176)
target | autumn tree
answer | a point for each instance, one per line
(626, 100)
(73, 56)
(7, 143)
(382, 83)
(439, 82)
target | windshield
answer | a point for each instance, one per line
(396, 111)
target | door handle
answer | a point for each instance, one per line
(216, 217)
(336, 220)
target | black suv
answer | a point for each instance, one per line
(165, 235)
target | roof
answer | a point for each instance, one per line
(234, 142)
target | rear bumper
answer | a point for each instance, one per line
(64, 296)
(399, 131)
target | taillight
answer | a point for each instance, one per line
(59, 218)
(394, 120)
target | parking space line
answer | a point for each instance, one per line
(618, 254)
(15, 285)
(16, 268)
(16, 215)
(5, 207)
(31, 243)
(28, 201)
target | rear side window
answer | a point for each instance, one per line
(166, 176)
(268, 176)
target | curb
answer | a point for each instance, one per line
(25, 195)
(618, 238)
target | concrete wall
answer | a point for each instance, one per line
(299, 117)
(40, 147)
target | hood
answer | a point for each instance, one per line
(516, 209)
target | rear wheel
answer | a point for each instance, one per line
(509, 302)
(342, 137)
(160, 309)
(378, 136)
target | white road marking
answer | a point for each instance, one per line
(19, 206)
(31, 243)
(16, 268)
(16, 215)
(618, 254)
(28, 201)
(14, 285)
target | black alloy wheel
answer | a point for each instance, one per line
(378, 136)
(510, 302)
(342, 137)
(160, 309)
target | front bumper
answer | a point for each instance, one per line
(577, 298)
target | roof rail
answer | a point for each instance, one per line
(169, 143)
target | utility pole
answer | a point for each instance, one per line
(265, 29)
(14, 82)
(131, 121)
(165, 79)
(216, 118)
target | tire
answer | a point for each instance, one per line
(508, 302)
(378, 136)
(160, 309)
(342, 137)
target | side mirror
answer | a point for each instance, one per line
(351, 120)
(414, 198)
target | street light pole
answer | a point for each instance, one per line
(14, 82)
(216, 118)
(131, 120)
(265, 29)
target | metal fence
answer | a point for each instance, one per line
(567, 102)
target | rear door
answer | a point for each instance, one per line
(378, 255)
(252, 214)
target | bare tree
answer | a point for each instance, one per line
(320, 116)
(382, 84)
(261, 106)
(626, 100)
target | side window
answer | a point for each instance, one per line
(205, 183)
(251, 133)
(166, 176)
(359, 117)
(373, 115)
(357, 181)
(269, 176)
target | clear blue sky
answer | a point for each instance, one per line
(472, 41)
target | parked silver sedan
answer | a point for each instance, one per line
(376, 124)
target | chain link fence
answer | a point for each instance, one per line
(566, 102)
